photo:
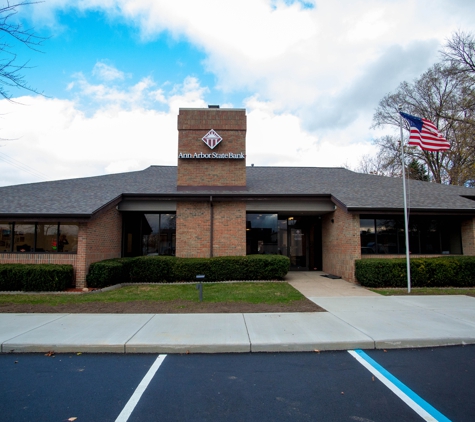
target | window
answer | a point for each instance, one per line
(427, 235)
(5, 237)
(149, 234)
(262, 234)
(390, 236)
(38, 237)
(368, 236)
(68, 238)
(46, 238)
(24, 238)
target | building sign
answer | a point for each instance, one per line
(213, 155)
(212, 139)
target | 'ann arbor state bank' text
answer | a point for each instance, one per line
(213, 155)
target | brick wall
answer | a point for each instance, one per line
(99, 239)
(193, 229)
(468, 237)
(229, 229)
(341, 243)
(193, 124)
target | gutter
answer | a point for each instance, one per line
(413, 211)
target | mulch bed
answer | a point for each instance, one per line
(170, 307)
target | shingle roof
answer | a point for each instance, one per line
(360, 191)
(355, 191)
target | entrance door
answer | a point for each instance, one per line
(298, 252)
(300, 239)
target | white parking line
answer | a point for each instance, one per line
(134, 399)
(416, 403)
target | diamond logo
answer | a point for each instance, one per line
(212, 139)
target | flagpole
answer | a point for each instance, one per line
(406, 225)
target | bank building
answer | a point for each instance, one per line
(214, 204)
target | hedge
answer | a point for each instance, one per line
(166, 269)
(250, 267)
(150, 269)
(107, 272)
(35, 277)
(425, 272)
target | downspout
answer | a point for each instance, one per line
(211, 211)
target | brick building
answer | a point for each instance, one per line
(213, 204)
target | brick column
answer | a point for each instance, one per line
(98, 239)
(341, 243)
(468, 237)
(193, 125)
(193, 229)
(81, 270)
(201, 168)
(229, 229)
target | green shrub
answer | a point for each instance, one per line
(268, 267)
(151, 269)
(425, 272)
(35, 277)
(225, 268)
(109, 272)
(10, 277)
(251, 267)
(186, 269)
(161, 269)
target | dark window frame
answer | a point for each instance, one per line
(34, 247)
(430, 228)
(133, 233)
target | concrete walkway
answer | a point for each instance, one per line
(356, 319)
(314, 284)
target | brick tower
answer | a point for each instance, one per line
(211, 163)
(219, 160)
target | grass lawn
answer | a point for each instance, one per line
(269, 293)
(415, 291)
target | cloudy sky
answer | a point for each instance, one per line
(113, 74)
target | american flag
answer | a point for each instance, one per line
(425, 134)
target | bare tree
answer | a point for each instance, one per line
(444, 97)
(459, 51)
(11, 35)
(386, 162)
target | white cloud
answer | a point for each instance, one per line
(107, 72)
(313, 71)
(280, 140)
(62, 142)
(188, 95)
(105, 94)
(287, 52)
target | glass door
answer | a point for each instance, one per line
(298, 249)
(293, 241)
(299, 238)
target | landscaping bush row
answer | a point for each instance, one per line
(167, 269)
(35, 277)
(425, 272)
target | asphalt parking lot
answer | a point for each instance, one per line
(325, 386)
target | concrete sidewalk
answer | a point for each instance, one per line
(315, 284)
(363, 320)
